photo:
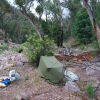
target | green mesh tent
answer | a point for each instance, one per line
(51, 69)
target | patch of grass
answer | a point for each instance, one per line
(77, 94)
(27, 84)
(95, 45)
(0, 51)
(17, 49)
(90, 91)
(4, 47)
(70, 42)
(26, 77)
(36, 80)
(94, 53)
(82, 47)
(81, 85)
(69, 63)
(14, 97)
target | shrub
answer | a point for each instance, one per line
(26, 77)
(37, 47)
(82, 28)
(18, 48)
(90, 91)
(4, 47)
(95, 45)
(82, 47)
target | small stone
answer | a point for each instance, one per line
(18, 97)
(24, 96)
(19, 63)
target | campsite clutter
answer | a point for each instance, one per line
(51, 69)
(6, 80)
(9, 60)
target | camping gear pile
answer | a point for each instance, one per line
(5, 80)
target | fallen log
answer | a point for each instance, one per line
(81, 57)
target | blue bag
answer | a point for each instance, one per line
(6, 81)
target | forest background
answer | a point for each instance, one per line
(19, 21)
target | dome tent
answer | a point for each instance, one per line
(51, 69)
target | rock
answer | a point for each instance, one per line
(72, 86)
(90, 71)
(12, 58)
(95, 60)
(23, 59)
(4, 60)
(9, 57)
(19, 63)
(18, 97)
(1, 67)
(9, 65)
(93, 70)
(17, 58)
(24, 96)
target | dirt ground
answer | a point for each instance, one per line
(37, 88)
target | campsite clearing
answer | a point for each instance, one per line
(39, 89)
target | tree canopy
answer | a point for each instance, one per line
(21, 20)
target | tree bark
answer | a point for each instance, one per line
(61, 24)
(96, 28)
(37, 27)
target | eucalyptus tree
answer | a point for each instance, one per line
(73, 6)
(5, 7)
(25, 7)
(56, 27)
(95, 7)
(14, 23)
(92, 18)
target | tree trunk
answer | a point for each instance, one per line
(36, 27)
(61, 24)
(96, 28)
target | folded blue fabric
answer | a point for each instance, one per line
(6, 81)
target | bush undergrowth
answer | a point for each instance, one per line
(90, 91)
(38, 47)
(4, 47)
(82, 47)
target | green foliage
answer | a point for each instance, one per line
(26, 77)
(4, 47)
(95, 6)
(39, 9)
(82, 28)
(16, 26)
(69, 63)
(95, 45)
(82, 47)
(38, 47)
(6, 7)
(18, 48)
(90, 91)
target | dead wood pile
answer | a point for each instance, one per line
(74, 55)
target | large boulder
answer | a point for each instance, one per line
(93, 70)
(72, 86)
